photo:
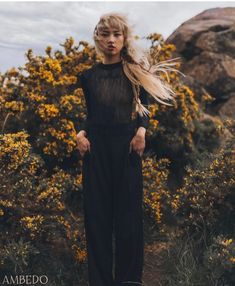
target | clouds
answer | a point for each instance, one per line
(36, 25)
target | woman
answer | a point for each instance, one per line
(112, 141)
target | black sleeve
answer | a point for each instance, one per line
(143, 121)
(82, 80)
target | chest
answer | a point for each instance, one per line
(110, 88)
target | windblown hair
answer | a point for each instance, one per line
(136, 64)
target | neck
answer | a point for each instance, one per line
(112, 59)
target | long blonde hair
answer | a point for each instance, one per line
(136, 64)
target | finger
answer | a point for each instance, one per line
(83, 149)
(89, 147)
(86, 147)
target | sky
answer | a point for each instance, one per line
(35, 25)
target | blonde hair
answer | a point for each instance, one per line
(136, 64)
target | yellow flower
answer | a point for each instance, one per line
(47, 111)
(232, 259)
(227, 242)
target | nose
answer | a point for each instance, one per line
(111, 39)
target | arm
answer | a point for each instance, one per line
(143, 121)
(138, 141)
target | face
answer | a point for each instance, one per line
(111, 41)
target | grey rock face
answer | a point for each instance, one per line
(206, 44)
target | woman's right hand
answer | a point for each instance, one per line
(83, 144)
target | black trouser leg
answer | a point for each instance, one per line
(98, 213)
(128, 218)
(112, 182)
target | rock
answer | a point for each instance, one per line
(228, 108)
(206, 45)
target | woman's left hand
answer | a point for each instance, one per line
(138, 141)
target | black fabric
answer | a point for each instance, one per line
(113, 194)
(112, 178)
(109, 96)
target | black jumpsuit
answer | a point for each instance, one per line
(112, 178)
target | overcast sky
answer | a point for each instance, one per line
(36, 25)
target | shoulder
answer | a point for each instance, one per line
(86, 74)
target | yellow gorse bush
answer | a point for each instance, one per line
(220, 256)
(14, 149)
(201, 199)
(48, 97)
(156, 194)
(36, 202)
(47, 111)
(33, 224)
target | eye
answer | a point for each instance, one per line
(104, 34)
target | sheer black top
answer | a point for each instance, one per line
(109, 96)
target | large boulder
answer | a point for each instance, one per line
(206, 44)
